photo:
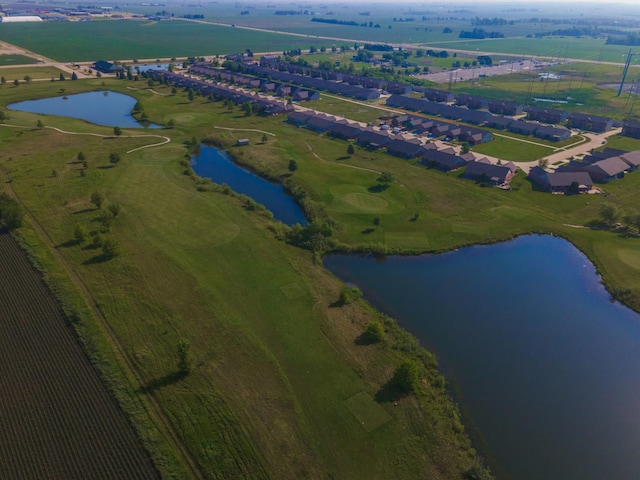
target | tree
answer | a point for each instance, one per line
(138, 107)
(39, 124)
(376, 221)
(97, 199)
(543, 163)
(185, 358)
(190, 94)
(114, 158)
(171, 123)
(117, 131)
(374, 332)
(111, 247)
(386, 178)
(466, 148)
(3, 80)
(74, 76)
(11, 213)
(350, 149)
(114, 208)
(16, 82)
(265, 137)
(609, 214)
(80, 233)
(406, 376)
(62, 79)
(293, 165)
(27, 79)
(81, 157)
(3, 116)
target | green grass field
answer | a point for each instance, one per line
(6, 60)
(129, 39)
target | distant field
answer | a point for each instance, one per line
(129, 39)
(16, 60)
(11, 74)
(554, 47)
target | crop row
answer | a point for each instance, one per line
(58, 419)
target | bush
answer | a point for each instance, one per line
(349, 295)
(406, 376)
(374, 331)
(80, 233)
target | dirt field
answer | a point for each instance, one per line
(57, 419)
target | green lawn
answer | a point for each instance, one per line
(16, 60)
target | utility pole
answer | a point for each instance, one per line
(626, 69)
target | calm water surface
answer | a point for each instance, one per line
(104, 107)
(545, 366)
(216, 164)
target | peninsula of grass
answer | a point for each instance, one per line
(280, 384)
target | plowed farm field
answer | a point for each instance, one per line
(57, 418)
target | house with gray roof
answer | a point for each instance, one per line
(561, 182)
(490, 173)
(607, 169)
(553, 134)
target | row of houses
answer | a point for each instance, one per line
(477, 117)
(278, 89)
(266, 105)
(579, 176)
(274, 63)
(406, 147)
(331, 86)
(582, 121)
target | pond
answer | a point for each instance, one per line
(217, 165)
(103, 107)
(545, 366)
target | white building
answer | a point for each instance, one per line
(22, 18)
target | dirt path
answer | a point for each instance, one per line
(245, 130)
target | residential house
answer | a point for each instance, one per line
(491, 173)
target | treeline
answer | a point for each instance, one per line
(193, 16)
(288, 12)
(349, 23)
(378, 47)
(480, 33)
(632, 39)
(487, 22)
(574, 31)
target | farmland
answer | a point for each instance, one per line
(58, 420)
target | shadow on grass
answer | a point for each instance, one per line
(363, 339)
(96, 259)
(69, 243)
(377, 188)
(165, 381)
(367, 231)
(85, 210)
(390, 392)
(345, 157)
(105, 167)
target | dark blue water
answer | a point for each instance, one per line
(216, 164)
(545, 366)
(102, 108)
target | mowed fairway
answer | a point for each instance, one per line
(57, 419)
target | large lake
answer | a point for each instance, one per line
(103, 107)
(217, 165)
(545, 366)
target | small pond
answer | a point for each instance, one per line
(146, 67)
(103, 107)
(545, 366)
(217, 165)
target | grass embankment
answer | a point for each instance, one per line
(281, 386)
(16, 59)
